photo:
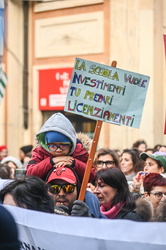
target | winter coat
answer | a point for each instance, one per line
(142, 212)
(94, 206)
(41, 161)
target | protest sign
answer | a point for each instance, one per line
(91, 154)
(44, 231)
(106, 93)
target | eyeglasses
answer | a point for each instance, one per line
(67, 188)
(158, 195)
(62, 146)
(107, 163)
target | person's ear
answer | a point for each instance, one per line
(146, 195)
(161, 170)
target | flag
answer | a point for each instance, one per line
(3, 82)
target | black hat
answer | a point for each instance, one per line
(26, 149)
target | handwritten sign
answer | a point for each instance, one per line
(106, 93)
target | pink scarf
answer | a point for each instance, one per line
(110, 214)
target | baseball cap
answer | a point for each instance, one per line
(156, 157)
(62, 173)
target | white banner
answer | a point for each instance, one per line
(42, 231)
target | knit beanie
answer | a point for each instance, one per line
(53, 136)
(2, 147)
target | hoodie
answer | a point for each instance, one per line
(59, 123)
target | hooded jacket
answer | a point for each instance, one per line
(59, 123)
(41, 161)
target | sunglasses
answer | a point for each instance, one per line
(62, 146)
(67, 188)
(108, 164)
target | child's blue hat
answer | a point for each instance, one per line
(53, 136)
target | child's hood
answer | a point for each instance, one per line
(59, 123)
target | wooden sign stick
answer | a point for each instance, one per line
(91, 154)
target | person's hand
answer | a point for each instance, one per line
(80, 209)
(62, 161)
(61, 209)
(138, 179)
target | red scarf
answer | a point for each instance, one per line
(110, 214)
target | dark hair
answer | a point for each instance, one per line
(5, 171)
(138, 143)
(149, 149)
(107, 151)
(152, 180)
(138, 164)
(157, 147)
(31, 193)
(115, 178)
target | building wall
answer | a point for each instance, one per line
(127, 31)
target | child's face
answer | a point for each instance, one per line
(61, 150)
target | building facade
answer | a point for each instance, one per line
(43, 38)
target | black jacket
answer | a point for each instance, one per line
(142, 212)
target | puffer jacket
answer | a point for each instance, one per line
(41, 162)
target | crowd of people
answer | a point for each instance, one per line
(47, 177)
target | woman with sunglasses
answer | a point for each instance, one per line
(58, 147)
(155, 191)
(116, 201)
